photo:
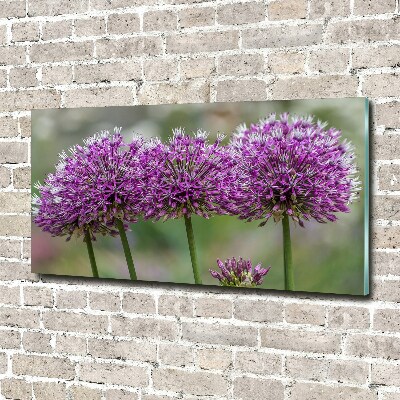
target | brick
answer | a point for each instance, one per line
(348, 318)
(378, 346)
(387, 237)
(74, 322)
(282, 36)
(389, 177)
(194, 91)
(179, 306)
(305, 314)
(197, 67)
(12, 8)
(71, 299)
(3, 78)
(27, 100)
(368, 7)
(123, 349)
(114, 374)
(3, 363)
(94, 26)
(128, 47)
(49, 390)
(56, 52)
(258, 310)
(82, 392)
(366, 30)
(159, 21)
(214, 359)
(376, 57)
(5, 177)
(329, 61)
(244, 90)
(9, 295)
(386, 147)
(121, 394)
(99, 97)
(56, 7)
(24, 123)
(329, 8)
(292, 9)
(286, 63)
(160, 70)
(315, 391)
(228, 335)
(11, 271)
(10, 339)
(15, 202)
(16, 389)
(37, 342)
(144, 328)
(48, 367)
(241, 64)
(345, 371)
(258, 363)
(307, 368)
(388, 114)
(314, 87)
(25, 31)
(119, 24)
(13, 152)
(214, 308)
(390, 396)
(385, 374)
(71, 345)
(386, 320)
(297, 340)
(385, 263)
(10, 248)
(241, 13)
(191, 17)
(200, 42)
(175, 355)
(257, 389)
(22, 178)
(386, 207)
(139, 303)
(114, 4)
(386, 291)
(195, 383)
(382, 85)
(57, 30)
(104, 301)
(15, 225)
(26, 248)
(12, 55)
(9, 127)
(53, 75)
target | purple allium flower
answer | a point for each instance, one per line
(239, 273)
(188, 176)
(292, 166)
(92, 186)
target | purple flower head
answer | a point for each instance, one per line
(187, 177)
(239, 273)
(92, 186)
(292, 166)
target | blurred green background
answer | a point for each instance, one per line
(328, 258)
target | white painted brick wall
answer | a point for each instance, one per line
(67, 338)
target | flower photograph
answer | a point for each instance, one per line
(257, 195)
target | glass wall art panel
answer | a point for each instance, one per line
(260, 195)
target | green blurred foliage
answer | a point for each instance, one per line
(328, 258)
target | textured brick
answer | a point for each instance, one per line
(214, 308)
(10, 295)
(12, 8)
(56, 75)
(10, 248)
(195, 383)
(352, 372)
(115, 374)
(49, 390)
(70, 345)
(104, 301)
(49, 367)
(297, 340)
(159, 21)
(376, 56)
(116, 96)
(386, 207)
(307, 368)
(55, 52)
(258, 363)
(121, 394)
(82, 392)
(119, 24)
(26, 248)
(56, 7)
(389, 177)
(241, 65)
(372, 346)
(386, 291)
(386, 263)
(123, 349)
(287, 9)
(27, 100)
(115, 4)
(386, 320)
(16, 389)
(366, 7)
(138, 303)
(8, 127)
(258, 310)
(175, 355)
(10, 339)
(191, 17)
(387, 237)
(57, 30)
(94, 26)
(382, 85)
(241, 90)
(128, 47)
(22, 178)
(179, 306)
(314, 87)
(282, 36)
(385, 374)
(241, 13)
(158, 69)
(13, 152)
(329, 61)
(15, 225)
(257, 389)
(214, 359)
(25, 31)
(390, 396)
(71, 299)
(286, 63)
(202, 42)
(5, 177)
(37, 342)
(219, 334)
(24, 126)
(329, 8)
(197, 67)
(386, 147)
(12, 55)
(388, 114)
(15, 202)
(16, 271)
(348, 317)
(305, 314)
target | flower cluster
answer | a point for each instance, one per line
(239, 273)
(292, 166)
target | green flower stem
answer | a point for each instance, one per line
(192, 249)
(92, 259)
(287, 254)
(127, 250)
